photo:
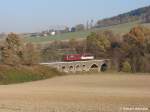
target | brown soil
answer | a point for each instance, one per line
(78, 93)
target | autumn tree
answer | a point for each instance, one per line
(73, 43)
(53, 52)
(31, 54)
(16, 52)
(135, 44)
(146, 17)
(81, 47)
(12, 51)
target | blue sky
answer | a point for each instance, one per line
(35, 15)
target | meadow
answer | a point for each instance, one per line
(20, 74)
(117, 29)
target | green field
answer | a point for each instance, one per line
(20, 74)
(64, 36)
(122, 29)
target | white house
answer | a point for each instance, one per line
(53, 33)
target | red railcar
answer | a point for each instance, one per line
(78, 57)
(72, 57)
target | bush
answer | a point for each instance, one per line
(126, 67)
(10, 75)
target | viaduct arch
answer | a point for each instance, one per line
(81, 66)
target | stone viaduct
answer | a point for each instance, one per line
(81, 66)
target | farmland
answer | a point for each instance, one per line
(121, 29)
(78, 93)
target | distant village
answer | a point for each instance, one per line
(62, 29)
(50, 32)
(56, 31)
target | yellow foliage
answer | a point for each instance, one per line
(139, 33)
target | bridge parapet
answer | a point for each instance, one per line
(80, 66)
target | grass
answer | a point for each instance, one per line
(121, 28)
(65, 36)
(10, 75)
(147, 25)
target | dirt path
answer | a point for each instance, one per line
(77, 93)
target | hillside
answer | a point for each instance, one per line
(141, 14)
(118, 24)
(120, 28)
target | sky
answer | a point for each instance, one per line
(36, 15)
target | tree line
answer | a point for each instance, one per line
(129, 52)
(141, 14)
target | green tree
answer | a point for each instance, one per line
(126, 67)
(79, 27)
(98, 44)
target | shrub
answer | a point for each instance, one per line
(10, 75)
(126, 67)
